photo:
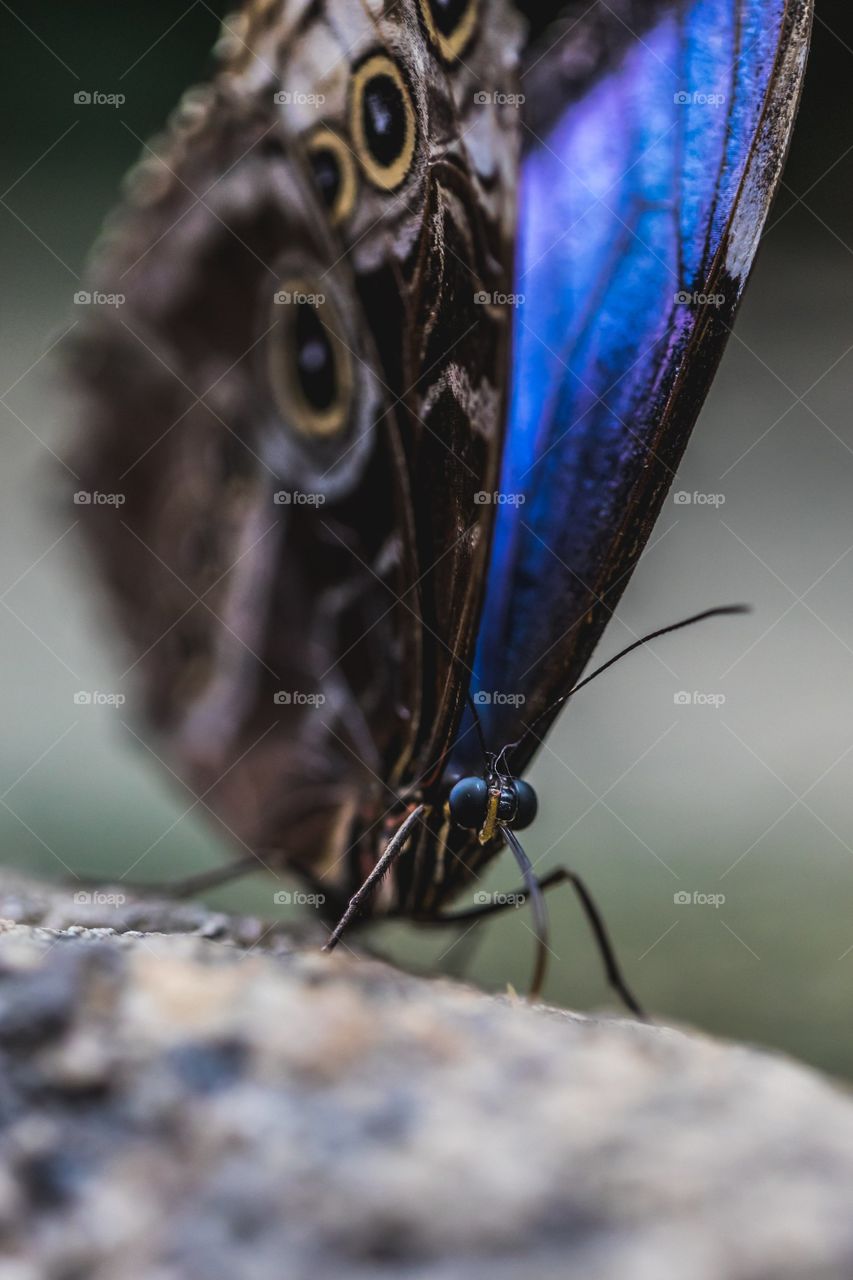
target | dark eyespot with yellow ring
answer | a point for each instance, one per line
(382, 121)
(310, 368)
(333, 167)
(450, 25)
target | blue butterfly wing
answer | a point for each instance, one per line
(641, 206)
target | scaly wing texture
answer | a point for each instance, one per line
(641, 207)
(285, 403)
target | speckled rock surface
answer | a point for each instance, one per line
(187, 1096)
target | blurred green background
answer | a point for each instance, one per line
(750, 799)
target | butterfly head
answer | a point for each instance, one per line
(484, 804)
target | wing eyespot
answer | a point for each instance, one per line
(382, 119)
(450, 25)
(333, 167)
(310, 367)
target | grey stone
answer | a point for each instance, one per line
(187, 1095)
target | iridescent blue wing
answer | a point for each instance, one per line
(655, 137)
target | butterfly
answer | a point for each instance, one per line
(421, 300)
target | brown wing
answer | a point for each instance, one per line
(426, 218)
(282, 403)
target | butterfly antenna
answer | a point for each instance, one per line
(501, 762)
(720, 611)
(540, 912)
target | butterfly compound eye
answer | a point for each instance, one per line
(526, 804)
(468, 801)
(382, 121)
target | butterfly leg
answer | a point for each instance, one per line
(189, 887)
(533, 891)
(393, 849)
(540, 913)
(562, 875)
